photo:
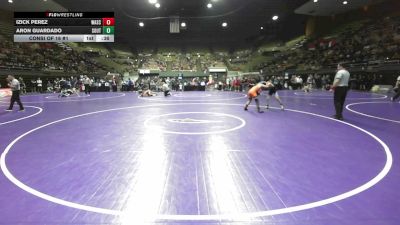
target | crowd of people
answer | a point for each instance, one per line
(374, 42)
(56, 85)
(236, 83)
(157, 84)
(44, 57)
(178, 61)
(371, 43)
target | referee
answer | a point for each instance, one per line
(396, 89)
(340, 87)
(15, 88)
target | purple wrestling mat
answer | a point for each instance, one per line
(199, 158)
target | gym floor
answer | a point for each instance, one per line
(199, 158)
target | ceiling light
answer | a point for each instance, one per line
(183, 24)
(345, 2)
(262, 28)
(152, 1)
(141, 24)
(224, 24)
(157, 5)
(275, 17)
(209, 5)
(10, 1)
(315, 0)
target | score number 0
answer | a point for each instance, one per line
(108, 21)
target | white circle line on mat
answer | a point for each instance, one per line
(248, 216)
(348, 107)
(25, 117)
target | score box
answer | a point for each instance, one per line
(108, 30)
(64, 26)
(108, 21)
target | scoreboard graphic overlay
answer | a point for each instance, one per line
(64, 26)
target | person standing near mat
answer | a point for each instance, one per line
(340, 88)
(166, 89)
(396, 89)
(39, 84)
(15, 88)
(87, 83)
(254, 92)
